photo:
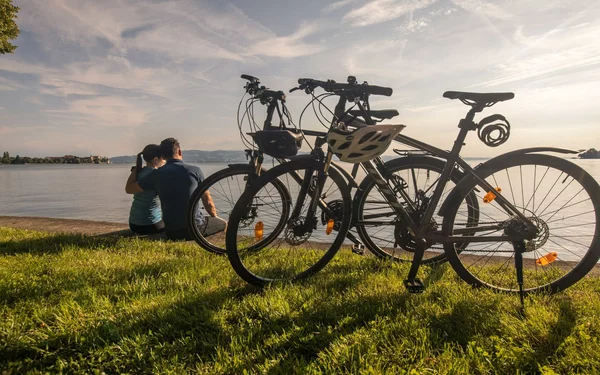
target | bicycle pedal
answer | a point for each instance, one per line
(358, 249)
(414, 286)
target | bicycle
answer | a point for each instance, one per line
(515, 229)
(241, 175)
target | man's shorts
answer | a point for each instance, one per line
(212, 225)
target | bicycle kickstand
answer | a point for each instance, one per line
(519, 247)
(412, 283)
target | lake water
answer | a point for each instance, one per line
(95, 192)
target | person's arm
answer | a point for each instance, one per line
(131, 186)
(208, 203)
(134, 186)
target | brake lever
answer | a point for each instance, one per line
(294, 89)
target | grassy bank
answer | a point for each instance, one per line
(79, 304)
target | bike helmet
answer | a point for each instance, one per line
(278, 143)
(362, 144)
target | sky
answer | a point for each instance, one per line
(108, 77)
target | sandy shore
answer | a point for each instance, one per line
(65, 225)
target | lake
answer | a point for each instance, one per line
(95, 192)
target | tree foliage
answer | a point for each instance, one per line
(8, 27)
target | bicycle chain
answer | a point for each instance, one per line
(474, 251)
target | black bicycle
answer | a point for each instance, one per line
(370, 210)
(535, 228)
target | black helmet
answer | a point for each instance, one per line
(278, 143)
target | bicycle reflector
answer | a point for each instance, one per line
(490, 196)
(547, 259)
(329, 228)
(258, 230)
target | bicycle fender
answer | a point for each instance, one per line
(456, 191)
(239, 166)
(533, 150)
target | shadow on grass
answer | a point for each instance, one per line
(53, 285)
(468, 320)
(186, 330)
(55, 243)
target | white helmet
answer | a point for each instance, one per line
(362, 144)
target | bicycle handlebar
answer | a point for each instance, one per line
(261, 92)
(279, 95)
(332, 86)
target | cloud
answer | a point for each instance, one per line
(105, 111)
(483, 7)
(337, 5)
(380, 11)
(559, 51)
(9, 85)
(289, 46)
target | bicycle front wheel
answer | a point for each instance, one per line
(557, 196)
(225, 187)
(308, 240)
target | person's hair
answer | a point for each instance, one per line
(169, 148)
(148, 154)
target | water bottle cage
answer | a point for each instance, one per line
(493, 130)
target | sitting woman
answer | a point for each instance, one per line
(145, 216)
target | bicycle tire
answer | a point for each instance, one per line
(464, 261)
(235, 253)
(196, 199)
(393, 166)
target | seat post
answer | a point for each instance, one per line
(465, 126)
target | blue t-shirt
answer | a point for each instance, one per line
(145, 209)
(175, 183)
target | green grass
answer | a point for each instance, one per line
(77, 304)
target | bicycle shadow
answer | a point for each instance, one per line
(467, 321)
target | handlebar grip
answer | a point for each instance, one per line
(379, 90)
(249, 77)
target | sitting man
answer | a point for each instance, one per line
(175, 182)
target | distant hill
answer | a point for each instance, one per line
(196, 156)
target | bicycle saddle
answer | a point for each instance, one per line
(482, 98)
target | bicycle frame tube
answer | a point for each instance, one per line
(390, 196)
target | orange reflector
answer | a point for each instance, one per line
(490, 196)
(547, 259)
(329, 227)
(258, 230)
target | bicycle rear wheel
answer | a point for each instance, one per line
(305, 245)
(376, 221)
(225, 187)
(559, 197)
